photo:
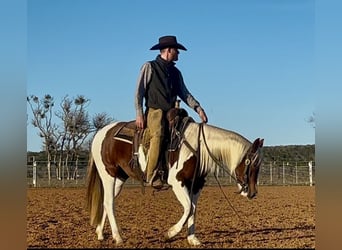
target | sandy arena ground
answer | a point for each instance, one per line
(280, 217)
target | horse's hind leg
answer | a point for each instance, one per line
(99, 228)
(108, 204)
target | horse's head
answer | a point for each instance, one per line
(247, 171)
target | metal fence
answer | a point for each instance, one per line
(271, 173)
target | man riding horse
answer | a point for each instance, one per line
(159, 83)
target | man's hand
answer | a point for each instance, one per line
(203, 116)
(139, 122)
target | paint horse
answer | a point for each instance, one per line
(202, 148)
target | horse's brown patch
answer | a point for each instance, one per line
(187, 171)
(186, 175)
(240, 170)
(173, 157)
(116, 155)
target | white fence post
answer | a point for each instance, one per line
(271, 178)
(296, 174)
(310, 172)
(283, 173)
(34, 174)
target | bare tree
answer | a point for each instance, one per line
(64, 143)
(76, 128)
(100, 120)
(80, 130)
(42, 110)
(65, 115)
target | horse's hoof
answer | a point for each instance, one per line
(99, 234)
(166, 236)
(118, 241)
(193, 241)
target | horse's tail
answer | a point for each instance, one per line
(94, 196)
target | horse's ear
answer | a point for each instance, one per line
(258, 143)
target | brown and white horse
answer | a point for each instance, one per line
(202, 149)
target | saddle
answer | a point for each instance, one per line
(177, 119)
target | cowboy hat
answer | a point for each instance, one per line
(167, 42)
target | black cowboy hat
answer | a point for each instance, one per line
(167, 42)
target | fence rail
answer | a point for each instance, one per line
(271, 173)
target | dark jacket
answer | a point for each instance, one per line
(163, 89)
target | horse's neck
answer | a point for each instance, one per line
(191, 134)
(217, 145)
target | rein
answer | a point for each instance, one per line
(224, 168)
(197, 166)
(196, 153)
(218, 163)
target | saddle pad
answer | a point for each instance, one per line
(126, 132)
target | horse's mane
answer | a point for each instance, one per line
(227, 146)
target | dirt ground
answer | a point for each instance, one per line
(280, 217)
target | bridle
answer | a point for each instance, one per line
(250, 162)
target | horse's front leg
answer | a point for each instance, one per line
(183, 197)
(192, 239)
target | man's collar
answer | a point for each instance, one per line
(167, 63)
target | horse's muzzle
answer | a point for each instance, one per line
(246, 191)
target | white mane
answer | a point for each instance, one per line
(227, 146)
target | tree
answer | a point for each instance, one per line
(65, 115)
(76, 128)
(64, 143)
(42, 110)
(100, 120)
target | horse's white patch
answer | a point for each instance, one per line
(243, 193)
(122, 139)
(97, 145)
(142, 158)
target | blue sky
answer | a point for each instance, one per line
(249, 63)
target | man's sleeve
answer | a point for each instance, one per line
(186, 96)
(143, 80)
